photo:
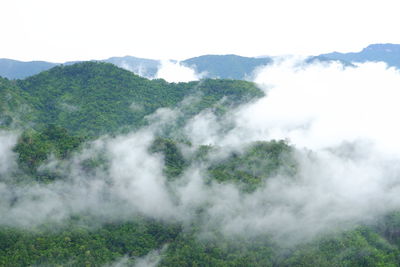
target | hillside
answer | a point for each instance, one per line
(85, 237)
(15, 110)
(94, 98)
(15, 69)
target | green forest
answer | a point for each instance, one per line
(62, 115)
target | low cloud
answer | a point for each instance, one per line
(175, 72)
(139, 69)
(7, 156)
(346, 117)
(322, 105)
(152, 259)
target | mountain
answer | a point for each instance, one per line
(324, 59)
(96, 97)
(211, 66)
(70, 199)
(226, 66)
(389, 53)
(13, 69)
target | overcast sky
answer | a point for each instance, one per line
(61, 30)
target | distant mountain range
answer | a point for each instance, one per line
(209, 66)
(226, 66)
(13, 69)
(388, 53)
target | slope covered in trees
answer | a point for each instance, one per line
(63, 205)
(76, 242)
(97, 98)
(14, 107)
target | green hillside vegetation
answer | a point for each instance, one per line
(34, 148)
(59, 110)
(75, 244)
(260, 161)
(97, 98)
(80, 246)
(14, 107)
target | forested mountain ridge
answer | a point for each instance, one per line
(15, 69)
(14, 107)
(94, 98)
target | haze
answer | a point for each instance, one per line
(64, 30)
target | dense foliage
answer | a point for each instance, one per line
(14, 107)
(34, 148)
(260, 161)
(96, 98)
(81, 246)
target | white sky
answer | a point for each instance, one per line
(61, 30)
